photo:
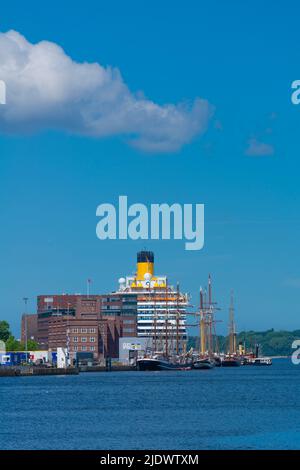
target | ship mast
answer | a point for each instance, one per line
(177, 320)
(202, 347)
(210, 318)
(166, 324)
(208, 337)
(155, 326)
(232, 330)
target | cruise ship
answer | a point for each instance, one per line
(161, 308)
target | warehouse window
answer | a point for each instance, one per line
(92, 339)
(83, 339)
(75, 339)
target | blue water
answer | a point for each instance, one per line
(239, 408)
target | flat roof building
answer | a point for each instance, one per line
(85, 323)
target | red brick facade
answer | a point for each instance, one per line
(83, 323)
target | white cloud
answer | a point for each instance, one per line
(259, 149)
(46, 89)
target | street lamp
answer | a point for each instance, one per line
(25, 299)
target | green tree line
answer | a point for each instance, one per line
(270, 342)
(11, 343)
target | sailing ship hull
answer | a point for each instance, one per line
(231, 363)
(217, 361)
(203, 364)
(159, 364)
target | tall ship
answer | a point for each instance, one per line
(232, 359)
(208, 354)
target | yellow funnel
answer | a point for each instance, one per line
(145, 264)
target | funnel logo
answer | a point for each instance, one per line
(2, 92)
(161, 221)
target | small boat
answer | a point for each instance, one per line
(152, 363)
(262, 361)
(256, 361)
(246, 361)
(203, 364)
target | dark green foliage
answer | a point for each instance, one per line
(13, 345)
(4, 330)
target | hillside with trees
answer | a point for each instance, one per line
(271, 342)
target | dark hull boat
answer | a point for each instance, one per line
(147, 364)
(231, 362)
(217, 361)
(203, 364)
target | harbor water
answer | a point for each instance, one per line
(234, 408)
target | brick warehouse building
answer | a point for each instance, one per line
(86, 323)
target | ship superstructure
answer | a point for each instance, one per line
(161, 308)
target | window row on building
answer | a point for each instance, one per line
(83, 330)
(84, 348)
(83, 339)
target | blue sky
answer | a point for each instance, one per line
(242, 58)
